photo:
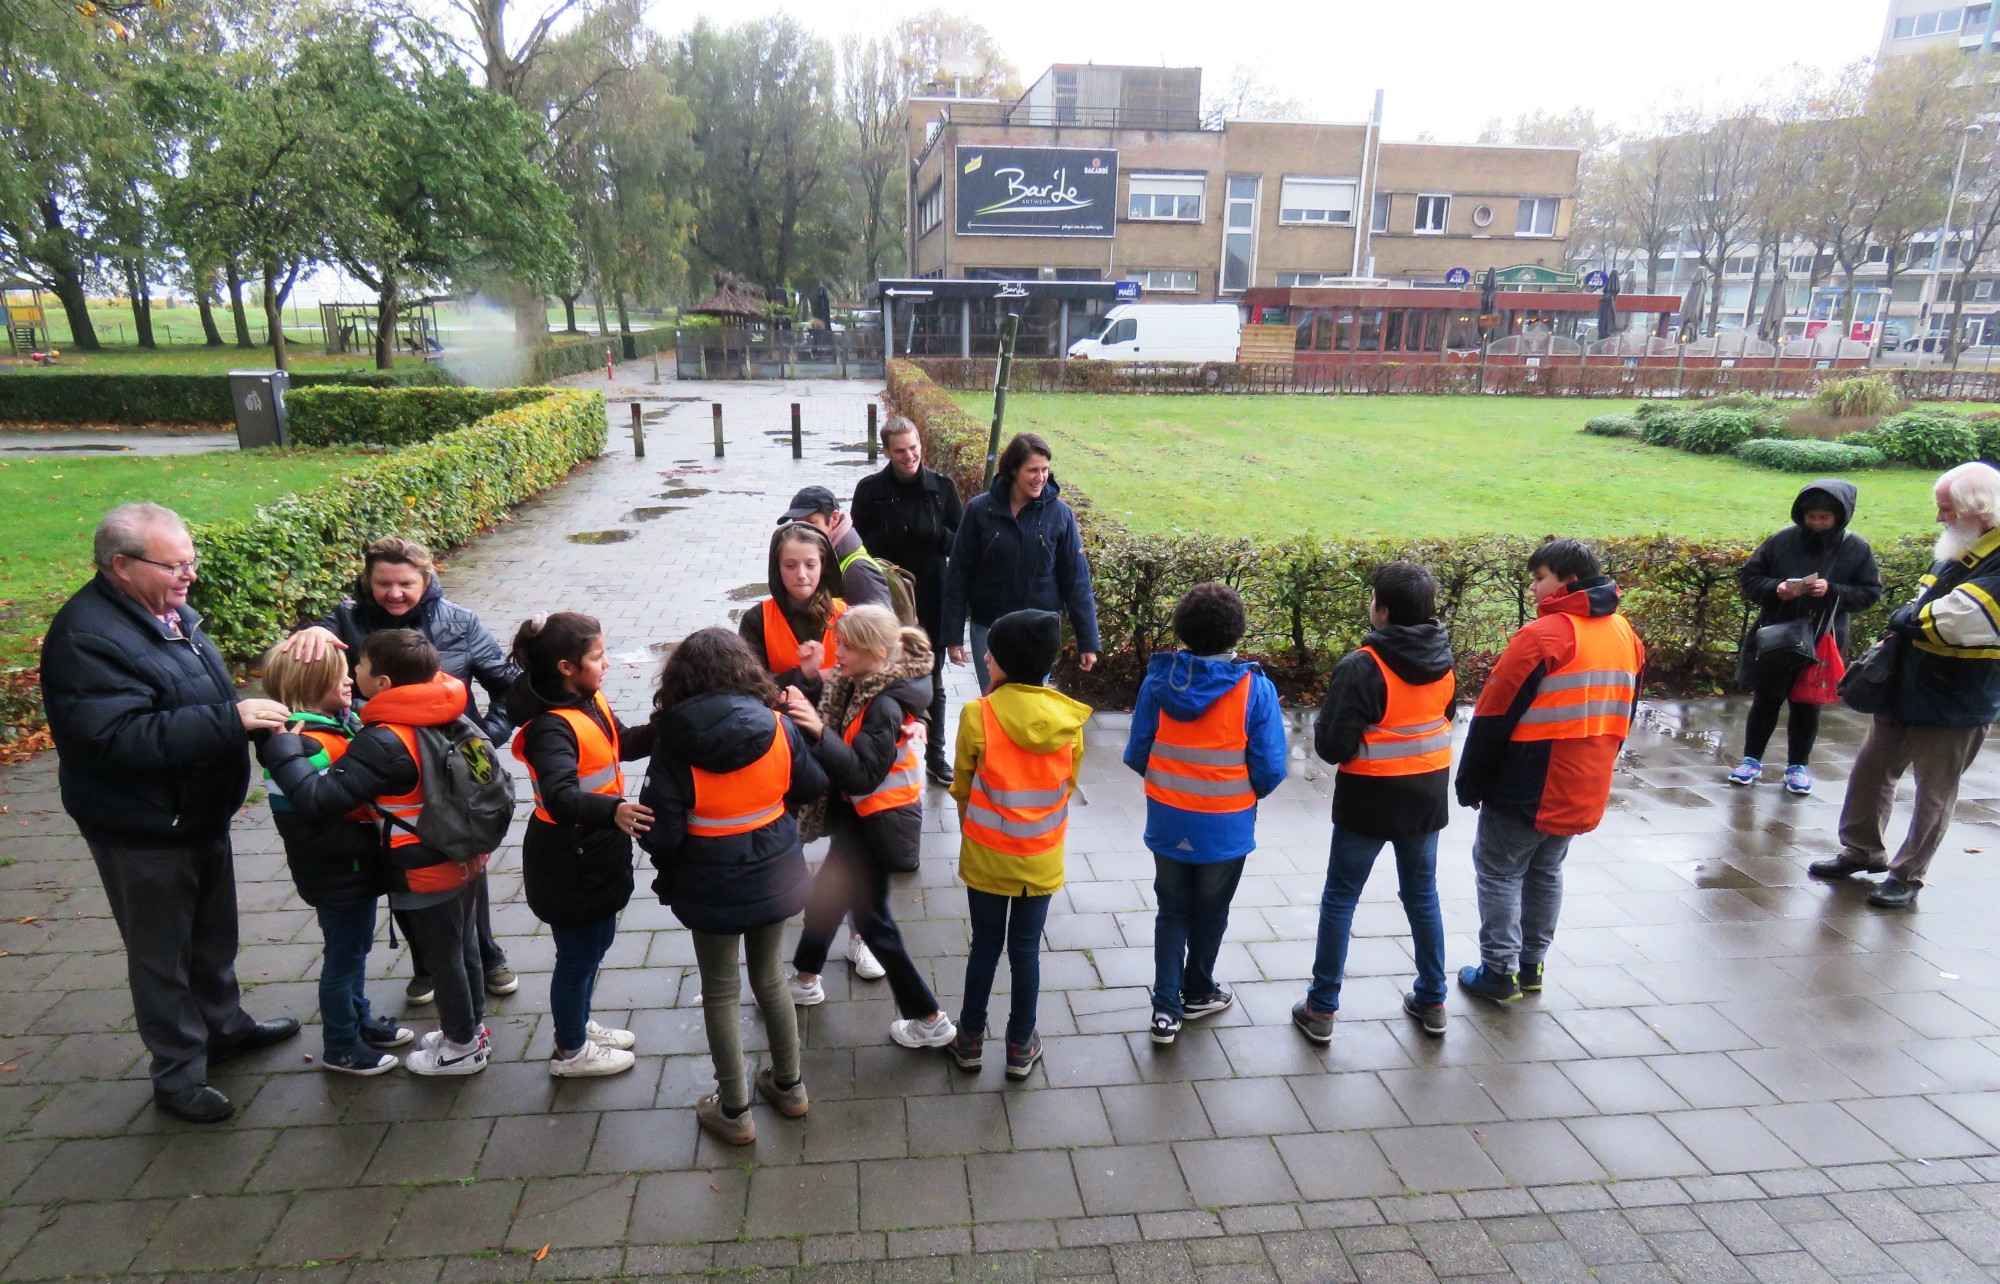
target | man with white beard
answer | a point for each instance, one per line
(1945, 692)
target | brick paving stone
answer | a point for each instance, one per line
(1745, 1228)
(334, 1224)
(88, 1238)
(573, 1212)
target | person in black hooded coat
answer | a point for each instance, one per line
(1840, 575)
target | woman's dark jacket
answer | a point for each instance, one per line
(150, 749)
(912, 524)
(1385, 807)
(579, 869)
(1840, 556)
(1001, 562)
(333, 862)
(465, 649)
(737, 882)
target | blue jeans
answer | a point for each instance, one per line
(1187, 933)
(579, 951)
(1347, 867)
(348, 931)
(1016, 923)
(1519, 870)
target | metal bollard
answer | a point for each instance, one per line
(715, 412)
(798, 442)
(871, 432)
(638, 433)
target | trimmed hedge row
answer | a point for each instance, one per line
(166, 398)
(294, 559)
(579, 356)
(1808, 456)
(1308, 596)
(332, 416)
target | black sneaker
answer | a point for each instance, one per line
(1207, 1005)
(1894, 893)
(1317, 1026)
(1530, 977)
(966, 1049)
(1165, 1026)
(1021, 1057)
(940, 774)
(1429, 1015)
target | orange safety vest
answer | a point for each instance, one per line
(1204, 765)
(781, 648)
(903, 785)
(736, 802)
(443, 874)
(1591, 695)
(334, 745)
(1414, 735)
(597, 768)
(1020, 799)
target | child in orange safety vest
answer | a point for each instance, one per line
(792, 631)
(1020, 751)
(576, 858)
(1386, 727)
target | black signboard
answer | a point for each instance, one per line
(1036, 191)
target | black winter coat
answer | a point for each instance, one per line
(1842, 557)
(333, 862)
(466, 650)
(578, 870)
(739, 882)
(893, 835)
(1385, 807)
(1003, 562)
(150, 749)
(911, 523)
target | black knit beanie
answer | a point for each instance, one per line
(1024, 644)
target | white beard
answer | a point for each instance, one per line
(1954, 542)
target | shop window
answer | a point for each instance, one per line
(1368, 330)
(1317, 200)
(1433, 215)
(1174, 197)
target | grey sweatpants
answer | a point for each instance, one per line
(1937, 757)
(1519, 870)
(722, 995)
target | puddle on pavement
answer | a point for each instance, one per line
(850, 463)
(601, 537)
(687, 399)
(748, 592)
(735, 615)
(758, 493)
(683, 492)
(854, 447)
(86, 445)
(648, 514)
(646, 654)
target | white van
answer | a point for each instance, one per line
(1164, 332)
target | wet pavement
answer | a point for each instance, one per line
(1734, 1073)
(112, 441)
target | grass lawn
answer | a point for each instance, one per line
(183, 358)
(1401, 466)
(53, 505)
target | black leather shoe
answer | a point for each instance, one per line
(261, 1035)
(1894, 893)
(940, 774)
(199, 1104)
(1841, 866)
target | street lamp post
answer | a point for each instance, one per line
(1937, 269)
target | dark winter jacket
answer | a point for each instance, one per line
(738, 882)
(1840, 556)
(1001, 562)
(912, 524)
(893, 834)
(150, 749)
(465, 649)
(333, 862)
(1948, 674)
(863, 582)
(1385, 807)
(1184, 686)
(579, 869)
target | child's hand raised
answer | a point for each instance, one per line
(811, 656)
(801, 711)
(634, 818)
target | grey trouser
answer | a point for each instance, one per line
(722, 994)
(1937, 757)
(1520, 875)
(448, 935)
(176, 911)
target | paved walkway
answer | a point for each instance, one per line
(1734, 1074)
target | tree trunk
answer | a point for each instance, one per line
(385, 323)
(626, 345)
(235, 282)
(66, 279)
(531, 316)
(210, 336)
(274, 318)
(142, 302)
(603, 322)
(569, 314)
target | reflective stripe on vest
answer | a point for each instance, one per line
(407, 808)
(781, 647)
(903, 785)
(1414, 735)
(1591, 695)
(597, 768)
(1204, 764)
(1020, 799)
(751, 797)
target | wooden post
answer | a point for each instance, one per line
(638, 433)
(715, 412)
(871, 432)
(798, 442)
(1001, 370)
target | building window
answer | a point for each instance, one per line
(1433, 215)
(930, 209)
(1739, 265)
(1906, 27)
(1378, 220)
(1317, 200)
(1537, 217)
(1877, 254)
(1802, 265)
(1977, 16)
(1982, 290)
(1166, 280)
(1239, 235)
(932, 128)
(1165, 196)
(1065, 94)
(1310, 279)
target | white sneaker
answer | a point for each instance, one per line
(866, 965)
(591, 1060)
(932, 1032)
(445, 1057)
(806, 994)
(603, 1038)
(435, 1037)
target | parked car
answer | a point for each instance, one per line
(1164, 332)
(1924, 343)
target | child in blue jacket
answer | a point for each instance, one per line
(1208, 736)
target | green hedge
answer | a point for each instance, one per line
(1721, 430)
(165, 398)
(1308, 596)
(1807, 456)
(1925, 438)
(295, 558)
(329, 416)
(1612, 426)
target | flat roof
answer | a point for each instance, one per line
(900, 288)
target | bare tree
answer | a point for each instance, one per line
(1247, 95)
(873, 88)
(1725, 154)
(1643, 188)
(1596, 230)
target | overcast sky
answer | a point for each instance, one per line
(1446, 66)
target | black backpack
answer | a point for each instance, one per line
(902, 584)
(468, 795)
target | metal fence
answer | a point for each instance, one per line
(732, 353)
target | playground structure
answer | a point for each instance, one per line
(350, 328)
(27, 324)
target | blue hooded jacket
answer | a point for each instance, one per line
(1184, 686)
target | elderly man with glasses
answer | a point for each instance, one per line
(152, 742)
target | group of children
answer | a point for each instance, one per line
(760, 742)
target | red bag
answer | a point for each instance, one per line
(1819, 682)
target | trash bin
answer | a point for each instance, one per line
(259, 398)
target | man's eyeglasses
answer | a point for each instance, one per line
(188, 567)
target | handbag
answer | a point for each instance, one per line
(1784, 648)
(1819, 682)
(1871, 678)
